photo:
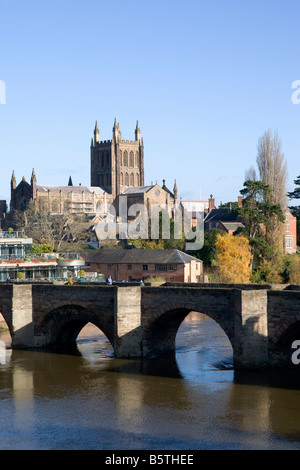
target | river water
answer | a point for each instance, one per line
(190, 401)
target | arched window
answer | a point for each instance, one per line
(126, 179)
(137, 182)
(107, 158)
(54, 206)
(136, 159)
(120, 157)
(131, 160)
(102, 159)
(125, 158)
(131, 179)
(121, 179)
(66, 206)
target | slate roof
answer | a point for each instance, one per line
(137, 256)
(222, 215)
(138, 189)
(69, 189)
(232, 225)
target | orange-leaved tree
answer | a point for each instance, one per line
(233, 258)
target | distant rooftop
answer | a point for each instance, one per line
(136, 256)
(138, 189)
(71, 189)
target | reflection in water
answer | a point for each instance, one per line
(190, 400)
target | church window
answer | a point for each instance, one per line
(120, 157)
(54, 206)
(136, 159)
(102, 159)
(107, 158)
(137, 179)
(125, 159)
(131, 179)
(121, 178)
(126, 179)
(131, 160)
(66, 206)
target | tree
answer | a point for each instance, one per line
(64, 232)
(295, 195)
(233, 258)
(295, 210)
(272, 167)
(176, 240)
(259, 215)
(208, 252)
(250, 174)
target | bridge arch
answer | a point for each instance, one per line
(61, 326)
(160, 334)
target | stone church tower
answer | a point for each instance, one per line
(117, 164)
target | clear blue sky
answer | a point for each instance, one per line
(205, 79)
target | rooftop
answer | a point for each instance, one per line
(136, 256)
(71, 189)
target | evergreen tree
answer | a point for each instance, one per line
(295, 210)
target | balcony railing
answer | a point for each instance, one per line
(12, 235)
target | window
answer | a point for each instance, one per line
(131, 159)
(125, 158)
(287, 228)
(129, 266)
(289, 242)
(165, 267)
(145, 267)
(287, 216)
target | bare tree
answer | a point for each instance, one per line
(63, 231)
(272, 166)
(273, 171)
(250, 174)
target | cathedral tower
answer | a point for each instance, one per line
(117, 164)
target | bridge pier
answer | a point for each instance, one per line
(22, 317)
(250, 349)
(127, 321)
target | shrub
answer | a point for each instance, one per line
(156, 279)
(20, 276)
(295, 270)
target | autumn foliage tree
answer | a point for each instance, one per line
(233, 258)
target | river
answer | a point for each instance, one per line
(191, 401)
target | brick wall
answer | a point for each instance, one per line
(189, 272)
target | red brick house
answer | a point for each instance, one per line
(136, 264)
(290, 232)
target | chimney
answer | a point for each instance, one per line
(211, 203)
(240, 201)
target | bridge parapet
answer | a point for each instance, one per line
(143, 321)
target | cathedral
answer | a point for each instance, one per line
(116, 169)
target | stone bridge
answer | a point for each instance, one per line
(261, 323)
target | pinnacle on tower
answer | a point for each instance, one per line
(137, 132)
(175, 191)
(96, 133)
(70, 183)
(13, 180)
